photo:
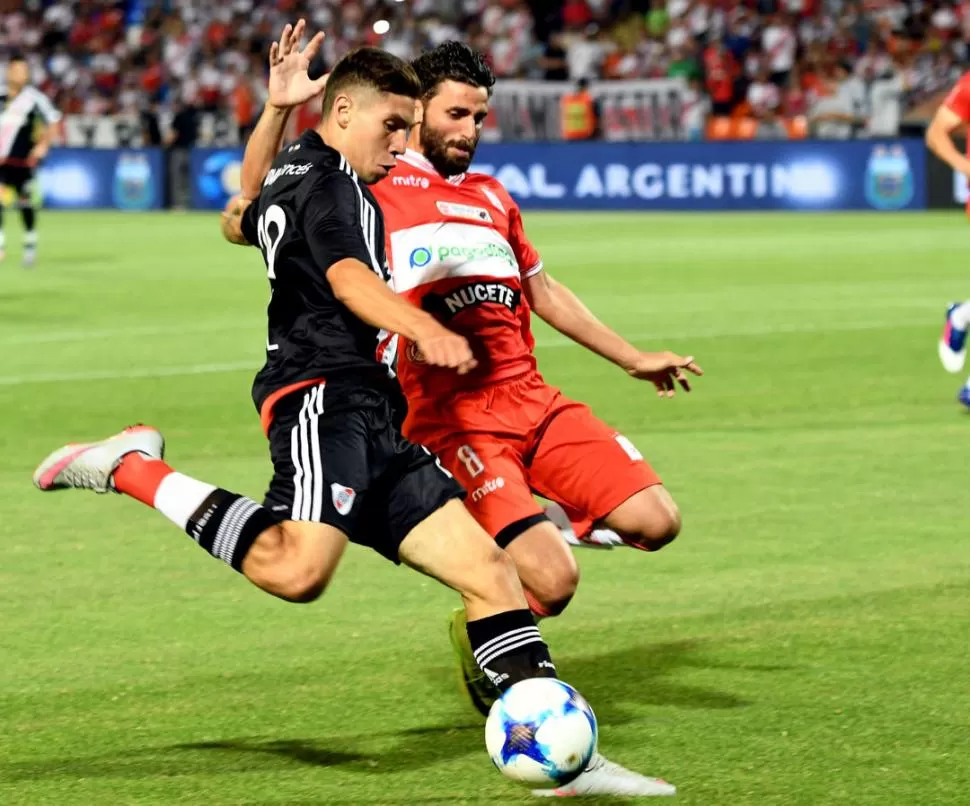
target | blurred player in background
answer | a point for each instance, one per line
(458, 250)
(26, 121)
(953, 113)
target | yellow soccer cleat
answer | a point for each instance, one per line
(480, 690)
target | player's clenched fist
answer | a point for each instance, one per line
(664, 370)
(442, 348)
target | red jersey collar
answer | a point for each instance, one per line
(417, 160)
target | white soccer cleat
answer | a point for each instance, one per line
(88, 466)
(604, 777)
(602, 538)
(952, 346)
(597, 539)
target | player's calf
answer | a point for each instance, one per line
(285, 560)
(295, 561)
(648, 520)
(451, 547)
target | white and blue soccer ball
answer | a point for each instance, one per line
(541, 732)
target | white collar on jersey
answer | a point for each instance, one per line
(417, 160)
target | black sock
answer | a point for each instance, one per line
(30, 218)
(509, 648)
(226, 525)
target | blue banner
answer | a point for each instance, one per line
(121, 179)
(763, 175)
(215, 176)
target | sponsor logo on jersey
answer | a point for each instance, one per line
(445, 306)
(464, 211)
(343, 498)
(476, 252)
(293, 169)
(487, 488)
(420, 257)
(410, 182)
(414, 354)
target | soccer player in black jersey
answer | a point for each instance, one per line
(26, 117)
(342, 469)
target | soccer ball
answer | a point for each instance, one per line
(541, 732)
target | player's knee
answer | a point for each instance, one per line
(301, 585)
(649, 521)
(657, 530)
(550, 594)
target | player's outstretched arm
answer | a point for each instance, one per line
(261, 149)
(940, 142)
(370, 298)
(563, 310)
(289, 86)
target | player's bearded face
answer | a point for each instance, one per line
(451, 126)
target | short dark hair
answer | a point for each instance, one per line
(452, 61)
(371, 67)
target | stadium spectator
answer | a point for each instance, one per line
(181, 139)
(580, 114)
(841, 111)
(721, 71)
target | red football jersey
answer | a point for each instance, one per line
(958, 102)
(457, 248)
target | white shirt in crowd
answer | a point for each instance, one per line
(677, 36)
(178, 55)
(209, 76)
(885, 106)
(850, 99)
(779, 42)
(583, 59)
(695, 108)
(945, 18)
(677, 8)
(763, 96)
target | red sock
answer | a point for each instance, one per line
(140, 477)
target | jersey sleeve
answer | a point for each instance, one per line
(332, 225)
(248, 222)
(45, 108)
(528, 258)
(958, 101)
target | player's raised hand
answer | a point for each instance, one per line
(289, 81)
(665, 370)
(442, 348)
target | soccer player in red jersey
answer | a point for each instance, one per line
(953, 113)
(457, 248)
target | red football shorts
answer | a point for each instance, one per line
(513, 439)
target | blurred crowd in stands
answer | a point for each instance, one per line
(841, 66)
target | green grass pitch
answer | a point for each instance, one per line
(803, 642)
